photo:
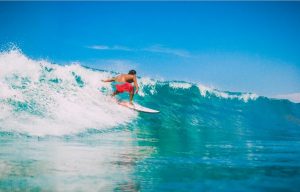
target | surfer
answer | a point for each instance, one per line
(123, 83)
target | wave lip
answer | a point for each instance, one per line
(207, 91)
(182, 85)
(293, 97)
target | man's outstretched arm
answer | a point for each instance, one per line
(109, 80)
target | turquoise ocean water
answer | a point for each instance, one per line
(60, 131)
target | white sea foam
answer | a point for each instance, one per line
(182, 85)
(145, 81)
(40, 98)
(205, 91)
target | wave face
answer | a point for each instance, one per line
(41, 98)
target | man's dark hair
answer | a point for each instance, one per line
(132, 72)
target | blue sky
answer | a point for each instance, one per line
(235, 46)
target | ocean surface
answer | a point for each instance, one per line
(61, 131)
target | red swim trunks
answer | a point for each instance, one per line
(124, 87)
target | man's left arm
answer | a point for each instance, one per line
(135, 84)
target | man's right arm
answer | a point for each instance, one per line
(109, 80)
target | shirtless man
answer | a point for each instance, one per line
(124, 84)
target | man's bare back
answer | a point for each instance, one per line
(127, 79)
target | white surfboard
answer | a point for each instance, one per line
(137, 107)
